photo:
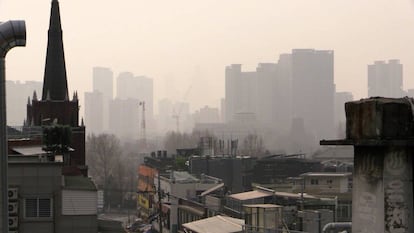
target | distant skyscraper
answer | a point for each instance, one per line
(313, 90)
(240, 91)
(137, 87)
(124, 118)
(206, 115)
(94, 111)
(102, 81)
(17, 96)
(266, 93)
(282, 106)
(385, 79)
(340, 99)
(126, 86)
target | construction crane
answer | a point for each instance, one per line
(176, 114)
(143, 133)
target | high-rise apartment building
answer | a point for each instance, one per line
(240, 91)
(18, 94)
(264, 94)
(126, 86)
(340, 99)
(207, 115)
(124, 118)
(282, 107)
(136, 87)
(313, 90)
(102, 81)
(385, 79)
(94, 111)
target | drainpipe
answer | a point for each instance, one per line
(12, 34)
(337, 226)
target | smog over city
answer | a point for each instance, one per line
(123, 90)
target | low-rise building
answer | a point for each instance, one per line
(178, 185)
(43, 200)
(337, 185)
(216, 224)
(325, 182)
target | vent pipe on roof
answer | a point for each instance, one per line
(12, 34)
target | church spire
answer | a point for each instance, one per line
(55, 81)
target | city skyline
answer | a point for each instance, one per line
(177, 53)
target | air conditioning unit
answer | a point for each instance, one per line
(13, 194)
(13, 222)
(13, 208)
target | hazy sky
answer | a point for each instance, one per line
(185, 43)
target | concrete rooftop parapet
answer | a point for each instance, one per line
(382, 133)
(380, 118)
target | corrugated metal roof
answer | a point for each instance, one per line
(216, 224)
(250, 195)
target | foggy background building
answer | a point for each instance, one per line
(18, 94)
(313, 90)
(385, 79)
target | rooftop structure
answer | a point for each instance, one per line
(216, 224)
(381, 131)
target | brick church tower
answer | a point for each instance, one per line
(55, 105)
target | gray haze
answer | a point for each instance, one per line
(184, 46)
(169, 40)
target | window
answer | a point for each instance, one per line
(329, 181)
(38, 207)
(314, 181)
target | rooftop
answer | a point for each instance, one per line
(216, 224)
(251, 195)
(264, 206)
(327, 174)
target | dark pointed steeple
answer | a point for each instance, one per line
(55, 81)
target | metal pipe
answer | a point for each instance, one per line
(12, 34)
(337, 226)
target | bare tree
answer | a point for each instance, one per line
(103, 154)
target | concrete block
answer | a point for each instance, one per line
(380, 118)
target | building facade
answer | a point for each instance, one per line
(385, 79)
(313, 90)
